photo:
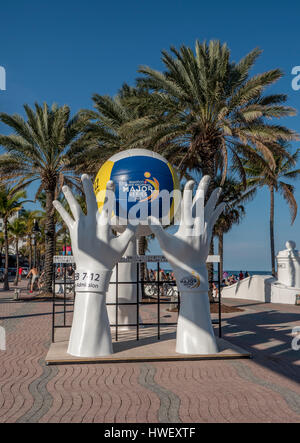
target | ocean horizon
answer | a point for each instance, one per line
(249, 272)
(230, 272)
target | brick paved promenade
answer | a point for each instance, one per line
(265, 389)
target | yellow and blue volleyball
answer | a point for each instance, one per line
(139, 176)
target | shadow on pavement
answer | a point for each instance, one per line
(268, 336)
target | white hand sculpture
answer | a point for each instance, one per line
(187, 252)
(96, 251)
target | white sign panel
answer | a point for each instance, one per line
(160, 258)
(213, 259)
(62, 259)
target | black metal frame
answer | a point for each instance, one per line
(64, 303)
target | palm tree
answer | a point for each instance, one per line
(234, 195)
(261, 174)
(103, 135)
(205, 109)
(10, 203)
(23, 251)
(17, 228)
(40, 149)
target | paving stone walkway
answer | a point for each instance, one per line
(264, 389)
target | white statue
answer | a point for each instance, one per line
(187, 252)
(96, 251)
(288, 265)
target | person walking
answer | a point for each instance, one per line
(34, 274)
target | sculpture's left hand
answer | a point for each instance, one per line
(95, 248)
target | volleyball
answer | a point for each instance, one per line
(142, 179)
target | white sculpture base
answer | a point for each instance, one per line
(90, 333)
(148, 348)
(195, 333)
(263, 288)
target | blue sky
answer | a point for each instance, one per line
(64, 51)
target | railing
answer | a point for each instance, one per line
(66, 284)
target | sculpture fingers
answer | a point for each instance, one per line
(63, 213)
(216, 214)
(110, 185)
(90, 197)
(202, 188)
(107, 208)
(110, 197)
(124, 239)
(104, 217)
(198, 206)
(211, 204)
(157, 229)
(187, 204)
(199, 221)
(73, 203)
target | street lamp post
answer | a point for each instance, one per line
(35, 231)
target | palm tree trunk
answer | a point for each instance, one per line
(272, 231)
(6, 284)
(49, 241)
(221, 253)
(17, 264)
(209, 169)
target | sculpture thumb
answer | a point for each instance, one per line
(218, 211)
(63, 213)
(126, 236)
(157, 230)
(212, 201)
